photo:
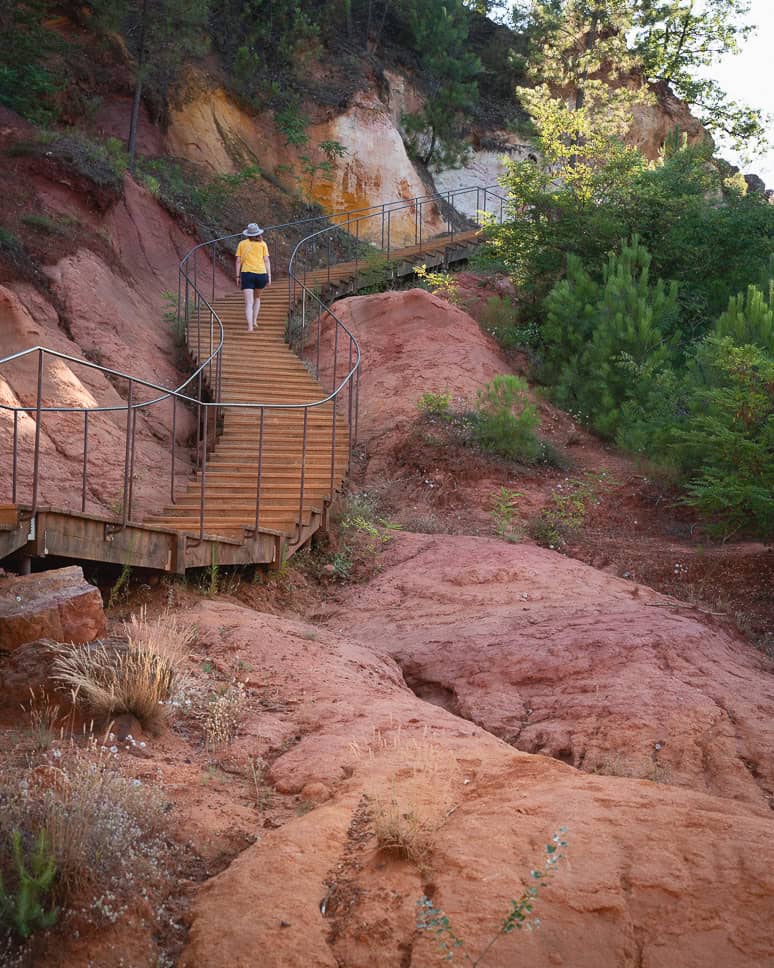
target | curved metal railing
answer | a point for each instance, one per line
(360, 238)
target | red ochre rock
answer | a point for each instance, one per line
(59, 605)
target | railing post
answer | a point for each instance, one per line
(131, 465)
(484, 205)
(303, 472)
(203, 494)
(199, 421)
(328, 235)
(357, 401)
(389, 232)
(349, 407)
(14, 471)
(357, 249)
(382, 245)
(212, 291)
(333, 445)
(303, 320)
(128, 454)
(181, 322)
(38, 415)
(420, 228)
(260, 472)
(319, 335)
(174, 444)
(85, 459)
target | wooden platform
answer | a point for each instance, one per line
(256, 368)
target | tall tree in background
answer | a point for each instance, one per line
(678, 39)
(673, 41)
(439, 30)
(160, 35)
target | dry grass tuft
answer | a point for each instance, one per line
(423, 790)
(139, 679)
(223, 716)
(106, 832)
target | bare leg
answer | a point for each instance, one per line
(249, 309)
(256, 308)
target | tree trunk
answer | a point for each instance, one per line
(135, 118)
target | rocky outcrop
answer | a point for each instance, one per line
(109, 309)
(558, 658)
(59, 605)
(638, 884)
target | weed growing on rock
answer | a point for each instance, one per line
(421, 795)
(91, 841)
(504, 512)
(567, 510)
(435, 404)
(44, 717)
(432, 919)
(139, 678)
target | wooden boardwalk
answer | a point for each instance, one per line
(261, 500)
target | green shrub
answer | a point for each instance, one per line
(22, 909)
(500, 319)
(726, 443)
(605, 342)
(102, 162)
(506, 420)
(435, 404)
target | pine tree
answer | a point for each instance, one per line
(439, 29)
(608, 340)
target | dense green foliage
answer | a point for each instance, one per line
(671, 42)
(607, 339)
(28, 81)
(439, 30)
(712, 239)
(708, 412)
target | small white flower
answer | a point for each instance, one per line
(113, 749)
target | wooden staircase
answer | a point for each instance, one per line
(260, 368)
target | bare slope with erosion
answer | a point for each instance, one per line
(639, 885)
(556, 657)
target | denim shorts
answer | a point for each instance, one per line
(254, 280)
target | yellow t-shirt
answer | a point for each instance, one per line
(252, 254)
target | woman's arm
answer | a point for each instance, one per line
(267, 260)
(238, 268)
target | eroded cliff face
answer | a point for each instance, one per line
(100, 305)
(210, 128)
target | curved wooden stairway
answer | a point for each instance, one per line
(260, 368)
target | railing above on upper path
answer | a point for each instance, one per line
(361, 238)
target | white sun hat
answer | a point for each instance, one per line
(252, 230)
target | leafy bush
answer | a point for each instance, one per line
(435, 404)
(506, 420)
(102, 162)
(499, 318)
(712, 242)
(439, 283)
(565, 513)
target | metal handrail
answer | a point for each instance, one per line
(189, 287)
